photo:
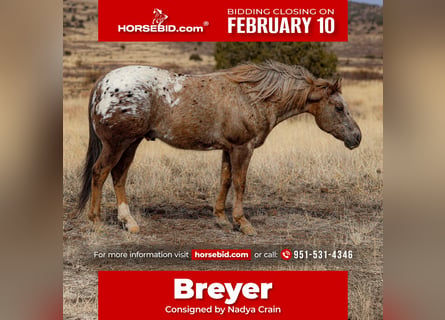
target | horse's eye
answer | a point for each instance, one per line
(339, 108)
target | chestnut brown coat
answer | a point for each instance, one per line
(233, 110)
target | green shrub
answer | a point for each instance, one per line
(313, 56)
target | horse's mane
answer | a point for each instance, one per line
(278, 82)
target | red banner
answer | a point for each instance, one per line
(230, 20)
(281, 295)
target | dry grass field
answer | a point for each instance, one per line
(305, 190)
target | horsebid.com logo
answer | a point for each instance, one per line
(157, 25)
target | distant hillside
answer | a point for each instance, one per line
(362, 13)
(365, 36)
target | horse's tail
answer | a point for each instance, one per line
(94, 150)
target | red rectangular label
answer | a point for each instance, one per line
(281, 295)
(221, 254)
(230, 20)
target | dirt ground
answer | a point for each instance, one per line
(327, 224)
(305, 191)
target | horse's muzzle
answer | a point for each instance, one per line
(354, 141)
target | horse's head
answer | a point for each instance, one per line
(332, 114)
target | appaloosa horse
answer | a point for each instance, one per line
(233, 110)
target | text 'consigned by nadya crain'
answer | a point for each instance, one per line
(220, 310)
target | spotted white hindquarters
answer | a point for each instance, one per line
(123, 214)
(139, 82)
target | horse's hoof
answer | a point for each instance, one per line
(133, 228)
(248, 230)
(224, 223)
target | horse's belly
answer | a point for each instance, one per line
(190, 143)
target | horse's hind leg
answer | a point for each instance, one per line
(240, 158)
(104, 163)
(119, 174)
(226, 181)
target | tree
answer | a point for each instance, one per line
(312, 55)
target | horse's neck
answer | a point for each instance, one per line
(283, 113)
(274, 111)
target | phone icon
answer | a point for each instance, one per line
(286, 254)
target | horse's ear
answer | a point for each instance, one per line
(337, 85)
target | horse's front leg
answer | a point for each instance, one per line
(240, 158)
(220, 204)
